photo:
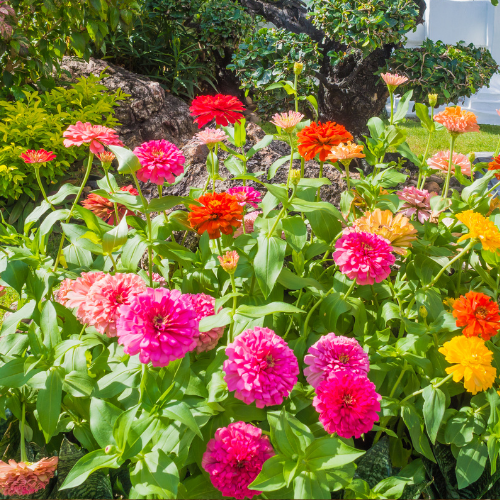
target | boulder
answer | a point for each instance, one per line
(149, 114)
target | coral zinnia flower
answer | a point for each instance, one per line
(246, 194)
(40, 156)
(318, 139)
(106, 158)
(229, 261)
(101, 308)
(97, 136)
(394, 228)
(457, 120)
(204, 305)
(18, 479)
(160, 160)
(478, 313)
(287, 121)
(225, 109)
(76, 297)
(219, 212)
(480, 228)
(160, 325)
(363, 256)
(347, 404)
(417, 202)
(471, 361)
(347, 151)
(441, 159)
(211, 136)
(261, 367)
(103, 208)
(393, 80)
(333, 353)
(249, 220)
(234, 458)
(495, 165)
(61, 295)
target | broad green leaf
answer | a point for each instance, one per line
(11, 323)
(295, 232)
(271, 308)
(268, 262)
(433, 410)
(471, 462)
(48, 403)
(271, 476)
(329, 452)
(103, 416)
(127, 161)
(180, 412)
(116, 238)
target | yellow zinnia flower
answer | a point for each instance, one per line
(394, 228)
(471, 361)
(480, 228)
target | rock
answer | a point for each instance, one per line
(432, 186)
(438, 179)
(149, 114)
(195, 152)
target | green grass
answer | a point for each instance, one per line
(485, 140)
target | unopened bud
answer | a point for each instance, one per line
(110, 449)
(297, 68)
(106, 158)
(433, 99)
(423, 312)
(472, 157)
(295, 176)
(229, 261)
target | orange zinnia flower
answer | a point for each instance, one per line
(220, 212)
(319, 138)
(478, 313)
(346, 151)
(495, 165)
(457, 120)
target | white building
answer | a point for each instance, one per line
(473, 21)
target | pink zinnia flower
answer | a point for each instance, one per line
(160, 325)
(18, 479)
(234, 458)
(393, 80)
(246, 194)
(76, 297)
(440, 162)
(287, 121)
(104, 299)
(417, 202)
(457, 120)
(97, 136)
(160, 160)
(158, 278)
(249, 220)
(364, 256)
(331, 354)
(40, 156)
(261, 367)
(61, 295)
(347, 404)
(211, 136)
(229, 261)
(204, 305)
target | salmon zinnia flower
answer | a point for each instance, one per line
(224, 109)
(18, 479)
(40, 156)
(457, 120)
(440, 161)
(478, 313)
(287, 121)
(471, 361)
(103, 208)
(229, 261)
(220, 212)
(394, 228)
(347, 151)
(481, 229)
(97, 136)
(393, 80)
(319, 138)
(495, 165)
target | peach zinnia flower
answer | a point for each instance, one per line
(229, 261)
(346, 151)
(478, 313)
(441, 159)
(481, 229)
(210, 136)
(18, 479)
(220, 212)
(287, 121)
(106, 158)
(393, 80)
(396, 229)
(40, 156)
(319, 138)
(457, 120)
(97, 136)
(495, 165)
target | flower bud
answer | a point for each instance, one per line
(433, 99)
(229, 261)
(295, 176)
(297, 68)
(472, 157)
(110, 449)
(106, 158)
(423, 312)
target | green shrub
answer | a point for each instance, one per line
(38, 122)
(450, 71)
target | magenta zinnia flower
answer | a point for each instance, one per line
(160, 325)
(204, 305)
(246, 194)
(440, 162)
(347, 404)
(76, 297)
(104, 299)
(211, 136)
(160, 160)
(234, 458)
(331, 354)
(287, 121)
(249, 220)
(18, 479)
(365, 257)
(417, 202)
(261, 367)
(97, 136)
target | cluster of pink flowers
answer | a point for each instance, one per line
(346, 400)
(417, 202)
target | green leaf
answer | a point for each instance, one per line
(268, 262)
(15, 275)
(166, 203)
(240, 135)
(264, 142)
(132, 252)
(48, 403)
(277, 164)
(78, 384)
(291, 436)
(478, 187)
(156, 474)
(103, 416)
(12, 373)
(180, 412)
(325, 224)
(329, 452)
(403, 106)
(423, 114)
(271, 476)
(271, 308)
(412, 420)
(114, 239)
(65, 191)
(49, 327)
(295, 232)
(293, 282)
(434, 408)
(127, 161)
(471, 462)
(11, 323)
(309, 484)
(222, 318)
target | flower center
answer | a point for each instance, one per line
(347, 399)
(270, 361)
(157, 153)
(160, 322)
(481, 313)
(366, 247)
(344, 358)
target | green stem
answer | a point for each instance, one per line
(302, 167)
(353, 284)
(115, 206)
(309, 314)
(291, 317)
(235, 303)
(6, 309)
(497, 150)
(453, 138)
(206, 185)
(416, 393)
(81, 332)
(113, 261)
(252, 284)
(291, 162)
(320, 177)
(346, 164)
(391, 94)
(77, 199)
(160, 195)
(283, 210)
(24, 458)
(375, 301)
(492, 189)
(39, 180)
(424, 159)
(213, 169)
(219, 246)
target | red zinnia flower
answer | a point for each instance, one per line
(97, 136)
(478, 313)
(225, 109)
(103, 208)
(319, 138)
(40, 156)
(220, 212)
(495, 165)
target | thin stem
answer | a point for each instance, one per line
(424, 159)
(39, 180)
(6, 309)
(113, 261)
(235, 303)
(81, 332)
(309, 314)
(346, 164)
(24, 458)
(492, 189)
(160, 195)
(219, 246)
(416, 393)
(321, 163)
(296, 95)
(302, 167)
(391, 94)
(213, 169)
(375, 301)
(497, 150)
(280, 215)
(291, 317)
(206, 185)
(453, 138)
(353, 284)
(291, 162)
(115, 206)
